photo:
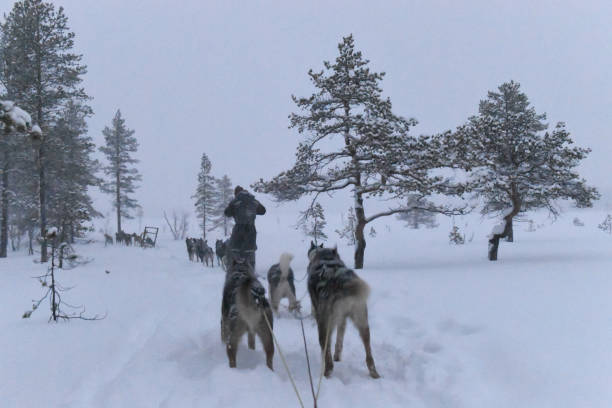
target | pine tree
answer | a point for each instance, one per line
(348, 228)
(205, 198)
(312, 222)
(223, 195)
(24, 198)
(72, 173)
(41, 74)
(417, 217)
(122, 176)
(514, 167)
(376, 157)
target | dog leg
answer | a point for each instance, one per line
(274, 298)
(251, 340)
(340, 339)
(266, 339)
(232, 344)
(324, 335)
(361, 321)
(293, 303)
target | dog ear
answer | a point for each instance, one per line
(335, 250)
(312, 245)
(321, 246)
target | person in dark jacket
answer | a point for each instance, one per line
(243, 208)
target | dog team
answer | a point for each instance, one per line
(124, 238)
(336, 292)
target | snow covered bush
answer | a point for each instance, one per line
(531, 226)
(455, 237)
(53, 290)
(606, 225)
(578, 222)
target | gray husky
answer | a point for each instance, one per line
(281, 283)
(242, 310)
(337, 293)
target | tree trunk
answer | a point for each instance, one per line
(5, 212)
(494, 240)
(30, 239)
(516, 207)
(359, 232)
(42, 188)
(118, 203)
(510, 236)
(360, 247)
(54, 305)
(204, 225)
(61, 257)
(41, 147)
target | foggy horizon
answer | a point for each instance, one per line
(216, 78)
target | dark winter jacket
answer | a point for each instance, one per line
(243, 208)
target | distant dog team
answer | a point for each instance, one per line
(199, 251)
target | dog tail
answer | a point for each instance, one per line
(283, 264)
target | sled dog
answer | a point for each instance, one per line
(242, 310)
(337, 294)
(281, 283)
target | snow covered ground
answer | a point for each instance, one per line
(449, 328)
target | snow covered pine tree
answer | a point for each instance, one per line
(13, 120)
(205, 195)
(40, 73)
(120, 144)
(71, 173)
(223, 194)
(376, 158)
(510, 160)
(312, 222)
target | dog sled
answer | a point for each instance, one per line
(149, 237)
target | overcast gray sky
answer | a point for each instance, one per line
(216, 77)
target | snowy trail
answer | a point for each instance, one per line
(447, 331)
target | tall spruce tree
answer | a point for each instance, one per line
(224, 193)
(355, 141)
(72, 173)
(41, 74)
(122, 176)
(515, 164)
(205, 198)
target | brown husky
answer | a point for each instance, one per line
(242, 310)
(337, 293)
